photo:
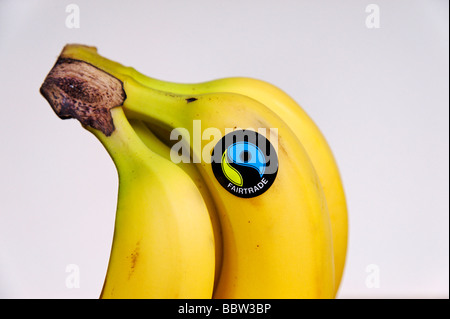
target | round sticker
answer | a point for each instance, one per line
(245, 163)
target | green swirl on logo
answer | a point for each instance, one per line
(230, 172)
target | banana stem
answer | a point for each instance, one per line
(78, 89)
(124, 145)
(154, 106)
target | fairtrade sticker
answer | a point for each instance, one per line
(245, 163)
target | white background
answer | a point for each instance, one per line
(380, 96)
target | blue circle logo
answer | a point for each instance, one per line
(245, 163)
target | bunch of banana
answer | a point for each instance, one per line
(227, 189)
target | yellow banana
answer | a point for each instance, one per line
(157, 146)
(162, 247)
(314, 143)
(306, 131)
(163, 244)
(277, 244)
(287, 109)
(308, 134)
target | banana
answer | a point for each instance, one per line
(277, 240)
(157, 146)
(305, 130)
(162, 248)
(276, 245)
(315, 144)
(295, 117)
(163, 244)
